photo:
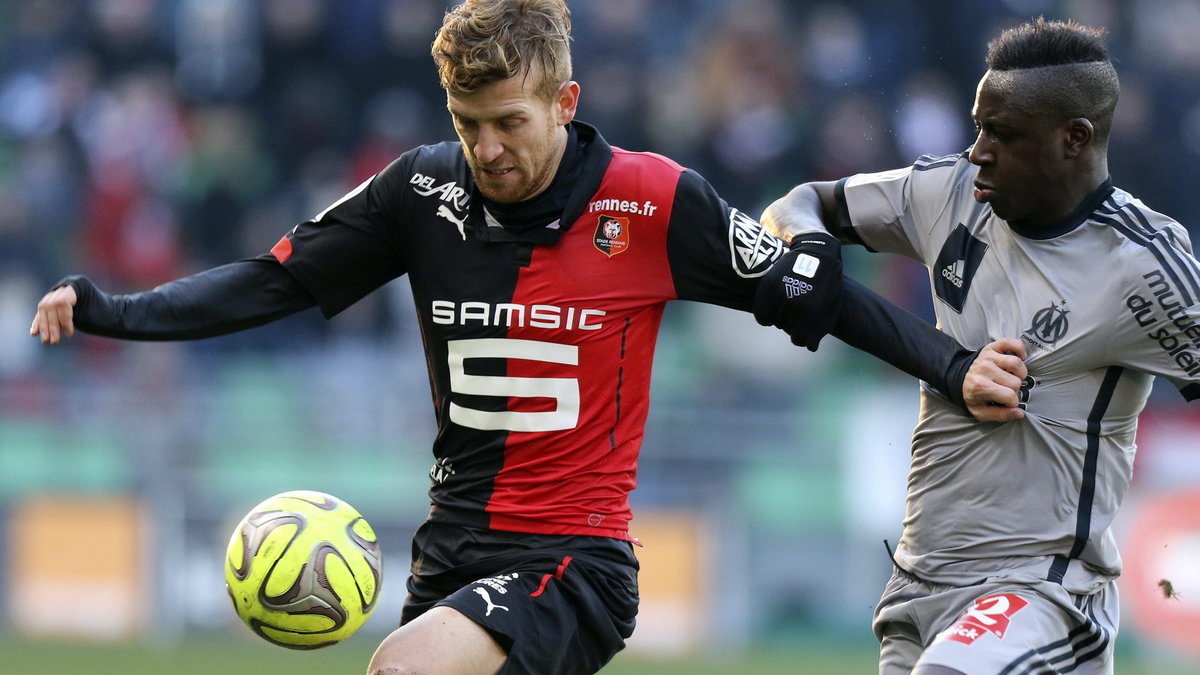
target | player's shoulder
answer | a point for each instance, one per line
(646, 160)
(944, 173)
(434, 158)
(931, 175)
(934, 190)
(426, 167)
(652, 173)
(931, 162)
(1149, 244)
(444, 156)
(1140, 229)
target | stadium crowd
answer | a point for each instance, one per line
(142, 139)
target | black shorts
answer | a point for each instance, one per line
(555, 603)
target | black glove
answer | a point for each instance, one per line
(802, 292)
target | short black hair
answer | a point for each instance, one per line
(1065, 67)
(1041, 43)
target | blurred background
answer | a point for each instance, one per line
(143, 140)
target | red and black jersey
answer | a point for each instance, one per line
(539, 332)
(539, 342)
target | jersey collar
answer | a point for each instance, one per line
(1070, 221)
(588, 156)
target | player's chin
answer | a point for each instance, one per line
(504, 194)
(1002, 210)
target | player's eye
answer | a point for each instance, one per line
(990, 133)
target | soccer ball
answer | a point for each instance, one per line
(303, 569)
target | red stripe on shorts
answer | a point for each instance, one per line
(558, 574)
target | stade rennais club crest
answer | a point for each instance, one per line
(612, 235)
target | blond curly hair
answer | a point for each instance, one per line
(485, 41)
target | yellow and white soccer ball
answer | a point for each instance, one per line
(303, 569)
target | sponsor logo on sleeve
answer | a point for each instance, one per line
(612, 235)
(754, 249)
(1168, 322)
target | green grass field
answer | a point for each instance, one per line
(237, 656)
(228, 654)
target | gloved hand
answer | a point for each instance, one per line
(802, 292)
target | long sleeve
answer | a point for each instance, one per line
(873, 324)
(218, 301)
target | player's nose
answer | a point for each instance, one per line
(980, 153)
(488, 147)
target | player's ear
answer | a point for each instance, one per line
(1079, 133)
(566, 99)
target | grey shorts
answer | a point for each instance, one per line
(995, 627)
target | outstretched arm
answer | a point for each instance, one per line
(221, 300)
(809, 298)
(984, 383)
(808, 207)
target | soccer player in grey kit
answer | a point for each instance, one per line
(1007, 563)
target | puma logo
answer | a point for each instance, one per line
(488, 599)
(445, 212)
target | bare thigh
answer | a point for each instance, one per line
(442, 641)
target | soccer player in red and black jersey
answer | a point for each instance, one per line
(540, 260)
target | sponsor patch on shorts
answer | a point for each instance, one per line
(990, 614)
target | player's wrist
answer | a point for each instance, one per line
(801, 293)
(83, 287)
(818, 241)
(956, 377)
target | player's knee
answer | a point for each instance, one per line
(389, 659)
(393, 663)
(398, 665)
(441, 640)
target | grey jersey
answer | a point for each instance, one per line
(1104, 302)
